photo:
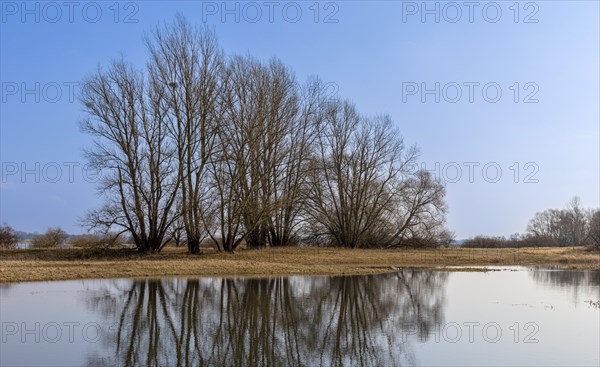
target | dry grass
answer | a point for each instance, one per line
(62, 264)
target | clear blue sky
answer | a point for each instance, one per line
(372, 52)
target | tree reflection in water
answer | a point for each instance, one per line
(303, 321)
(572, 280)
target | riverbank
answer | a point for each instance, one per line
(74, 263)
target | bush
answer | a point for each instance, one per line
(8, 237)
(514, 242)
(53, 237)
(104, 241)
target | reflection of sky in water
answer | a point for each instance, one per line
(547, 306)
(412, 317)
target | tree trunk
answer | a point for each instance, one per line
(193, 244)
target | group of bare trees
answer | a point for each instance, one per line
(572, 226)
(53, 237)
(202, 146)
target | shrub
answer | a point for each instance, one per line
(8, 237)
(53, 237)
(514, 241)
(103, 241)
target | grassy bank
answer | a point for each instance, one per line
(62, 264)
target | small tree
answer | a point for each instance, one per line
(52, 238)
(8, 237)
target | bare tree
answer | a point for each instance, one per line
(567, 227)
(266, 113)
(236, 209)
(126, 116)
(272, 124)
(421, 212)
(177, 232)
(576, 222)
(541, 225)
(53, 237)
(8, 236)
(188, 63)
(292, 155)
(360, 195)
(594, 229)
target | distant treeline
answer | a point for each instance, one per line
(572, 226)
(513, 241)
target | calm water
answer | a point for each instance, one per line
(515, 316)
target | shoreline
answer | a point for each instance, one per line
(33, 265)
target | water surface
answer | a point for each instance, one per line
(508, 317)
